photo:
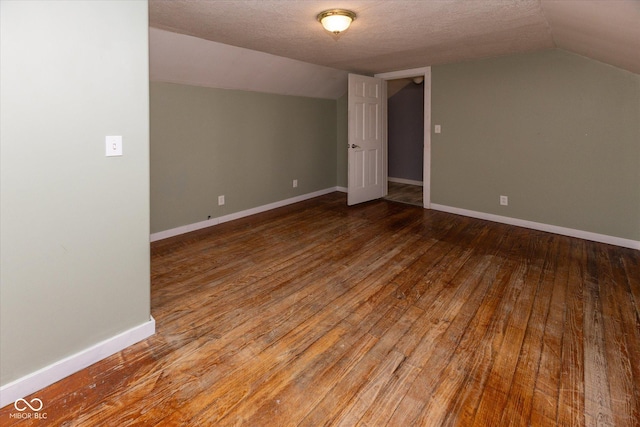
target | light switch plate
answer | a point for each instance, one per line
(437, 129)
(113, 145)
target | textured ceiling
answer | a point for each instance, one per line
(401, 34)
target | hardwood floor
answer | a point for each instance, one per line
(373, 315)
(405, 193)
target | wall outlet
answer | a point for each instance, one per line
(220, 200)
(437, 129)
(504, 200)
(295, 183)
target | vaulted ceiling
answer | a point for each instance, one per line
(401, 34)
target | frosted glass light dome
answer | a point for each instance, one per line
(336, 20)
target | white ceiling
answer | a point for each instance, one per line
(177, 58)
(401, 34)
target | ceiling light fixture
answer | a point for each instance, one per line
(336, 20)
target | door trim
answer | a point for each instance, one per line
(426, 174)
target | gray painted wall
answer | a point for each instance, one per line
(557, 133)
(74, 241)
(247, 146)
(405, 112)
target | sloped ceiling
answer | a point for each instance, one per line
(178, 58)
(401, 34)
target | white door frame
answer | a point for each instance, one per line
(426, 174)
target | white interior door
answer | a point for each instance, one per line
(367, 172)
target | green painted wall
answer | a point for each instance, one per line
(557, 133)
(74, 240)
(246, 146)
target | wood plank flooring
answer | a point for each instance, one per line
(405, 193)
(381, 314)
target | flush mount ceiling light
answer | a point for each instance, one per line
(336, 20)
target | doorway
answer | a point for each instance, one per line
(405, 140)
(425, 73)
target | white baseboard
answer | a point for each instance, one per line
(405, 181)
(215, 221)
(48, 375)
(342, 189)
(586, 235)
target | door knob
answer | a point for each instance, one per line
(355, 146)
